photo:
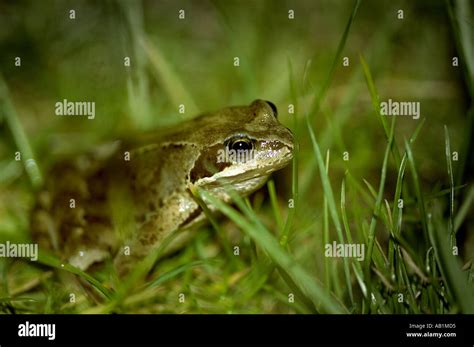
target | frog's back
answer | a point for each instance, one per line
(71, 212)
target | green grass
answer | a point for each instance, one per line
(410, 265)
(21, 140)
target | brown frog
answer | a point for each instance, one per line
(123, 199)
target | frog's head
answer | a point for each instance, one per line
(240, 146)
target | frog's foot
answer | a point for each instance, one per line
(42, 225)
(84, 259)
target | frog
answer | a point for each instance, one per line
(121, 200)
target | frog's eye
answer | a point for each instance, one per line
(240, 144)
(273, 107)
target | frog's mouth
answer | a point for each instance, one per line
(243, 186)
(253, 173)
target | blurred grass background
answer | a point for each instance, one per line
(288, 61)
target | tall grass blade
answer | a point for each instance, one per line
(342, 43)
(270, 245)
(451, 184)
(378, 203)
(7, 110)
(330, 197)
(456, 280)
(169, 79)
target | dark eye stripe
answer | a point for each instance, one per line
(207, 164)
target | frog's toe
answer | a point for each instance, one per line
(84, 259)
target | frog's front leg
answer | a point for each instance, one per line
(159, 231)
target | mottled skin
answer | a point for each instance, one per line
(139, 201)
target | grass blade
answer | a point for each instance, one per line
(274, 203)
(270, 245)
(456, 281)
(49, 260)
(378, 203)
(376, 104)
(330, 197)
(171, 82)
(464, 209)
(418, 192)
(451, 183)
(21, 139)
(342, 43)
(175, 272)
